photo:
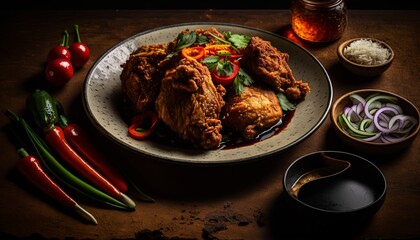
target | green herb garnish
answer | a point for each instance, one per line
(183, 41)
(238, 40)
(285, 104)
(241, 80)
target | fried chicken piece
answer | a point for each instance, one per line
(190, 104)
(141, 76)
(271, 66)
(254, 111)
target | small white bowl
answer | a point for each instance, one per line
(365, 70)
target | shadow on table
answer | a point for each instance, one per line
(287, 223)
(188, 182)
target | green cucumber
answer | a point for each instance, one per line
(346, 126)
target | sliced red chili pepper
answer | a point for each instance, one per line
(143, 125)
(196, 52)
(235, 56)
(225, 80)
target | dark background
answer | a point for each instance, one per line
(188, 4)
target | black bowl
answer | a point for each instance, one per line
(351, 195)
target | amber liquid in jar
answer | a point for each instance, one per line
(319, 20)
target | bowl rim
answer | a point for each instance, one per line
(367, 90)
(378, 199)
(344, 44)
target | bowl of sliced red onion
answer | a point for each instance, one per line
(375, 121)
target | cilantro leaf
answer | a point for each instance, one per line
(201, 40)
(211, 62)
(224, 68)
(284, 102)
(241, 80)
(238, 40)
(183, 41)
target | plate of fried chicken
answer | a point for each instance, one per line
(222, 93)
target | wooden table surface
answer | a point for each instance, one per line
(189, 199)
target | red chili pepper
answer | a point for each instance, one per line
(78, 139)
(196, 52)
(30, 167)
(225, 80)
(235, 57)
(56, 139)
(143, 125)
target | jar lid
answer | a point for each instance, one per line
(322, 3)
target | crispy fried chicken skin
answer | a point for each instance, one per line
(254, 111)
(271, 66)
(141, 76)
(190, 104)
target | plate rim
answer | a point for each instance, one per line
(265, 155)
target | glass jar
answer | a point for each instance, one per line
(319, 20)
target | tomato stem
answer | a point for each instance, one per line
(76, 28)
(65, 39)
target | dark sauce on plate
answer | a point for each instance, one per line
(230, 140)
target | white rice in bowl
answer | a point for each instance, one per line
(366, 52)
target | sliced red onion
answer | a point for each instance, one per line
(352, 116)
(383, 123)
(399, 109)
(371, 101)
(391, 139)
(379, 114)
(376, 119)
(403, 121)
(359, 109)
(346, 110)
(384, 117)
(355, 98)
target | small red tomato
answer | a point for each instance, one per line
(59, 71)
(79, 51)
(80, 54)
(58, 52)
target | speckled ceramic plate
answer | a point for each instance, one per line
(102, 96)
